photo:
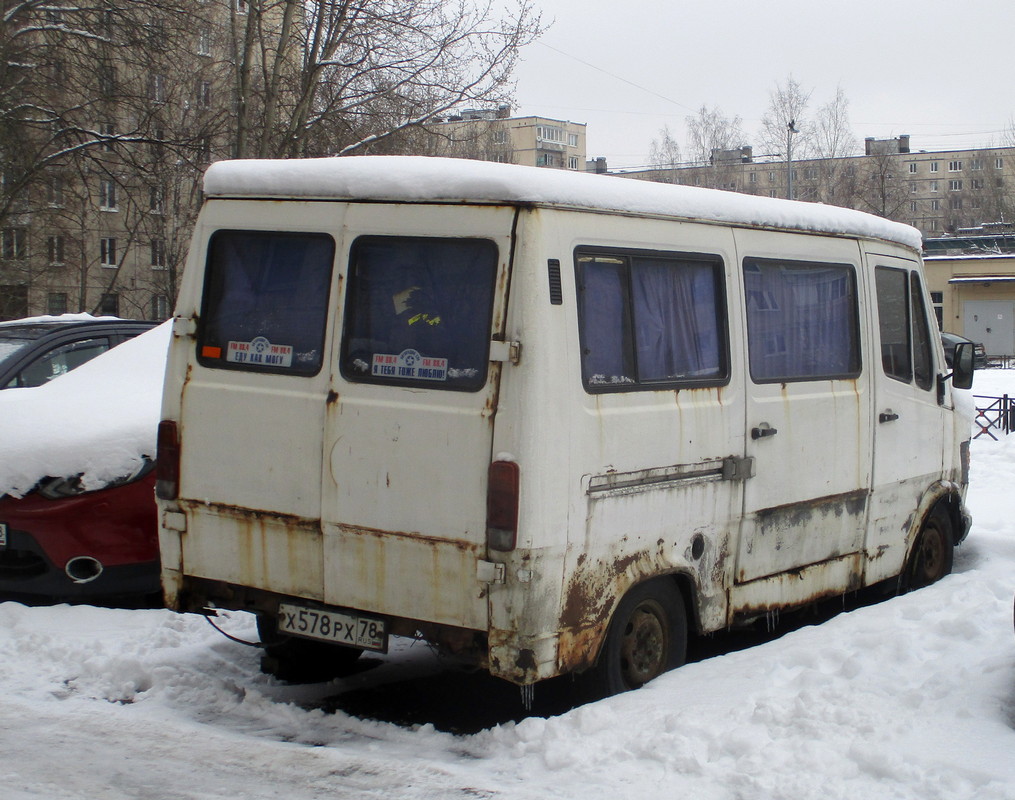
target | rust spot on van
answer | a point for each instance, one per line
(332, 397)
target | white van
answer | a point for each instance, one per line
(550, 422)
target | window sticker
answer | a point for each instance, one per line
(260, 351)
(410, 364)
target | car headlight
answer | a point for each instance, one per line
(60, 488)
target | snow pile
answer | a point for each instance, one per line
(98, 421)
(418, 178)
(909, 699)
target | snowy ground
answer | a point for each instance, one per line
(910, 698)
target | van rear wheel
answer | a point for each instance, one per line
(933, 552)
(295, 660)
(646, 637)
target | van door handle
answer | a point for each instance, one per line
(763, 430)
(887, 416)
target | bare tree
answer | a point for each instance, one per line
(788, 107)
(664, 152)
(833, 134)
(710, 130)
(315, 77)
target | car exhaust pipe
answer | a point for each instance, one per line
(83, 569)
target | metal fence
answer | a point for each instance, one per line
(994, 415)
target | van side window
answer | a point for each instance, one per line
(902, 322)
(418, 312)
(266, 301)
(802, 320)
(649, 321)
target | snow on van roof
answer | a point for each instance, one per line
(420, 178)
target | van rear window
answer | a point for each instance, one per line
(418, 312)
(265, 304)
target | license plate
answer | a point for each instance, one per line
(3, 534)
(353, 630)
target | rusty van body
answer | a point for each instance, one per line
(550, 422)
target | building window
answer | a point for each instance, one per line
(110, 305)
(54, 249)
(975, 163)
(810, 173)
(204, 42)
(912, 187)
(935, 205)
(107, 195)
(158, 249)
(56, 303)
(933, 186)
(976, 183)
(204, 150)
(14, 243)
(933, 166)
(107, 252)
(549, 133)
(955, 203)
(107, 132)
(106, 74)
(500, 137)
(160, 307)
(241, 6)
(998, 163)
(157, 88)
(752, 177)
(572, 139)
(572, 162)
(156, 200)
(912, 167)
(204, 94)
(912, 206)
(954, 186)
(955, 166)
(771, 177)
(54, 191)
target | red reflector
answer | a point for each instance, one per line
(502, 505)
(167, 466)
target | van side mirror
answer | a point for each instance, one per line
(962, 366)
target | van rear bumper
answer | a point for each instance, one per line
(205, 596)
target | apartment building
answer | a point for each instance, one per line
(937, 192)
(497, 136)
(102, 181)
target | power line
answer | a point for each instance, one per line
(616, 77)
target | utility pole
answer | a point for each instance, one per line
(790, 130)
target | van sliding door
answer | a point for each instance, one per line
(808, 419)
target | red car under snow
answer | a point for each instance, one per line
(59, 544)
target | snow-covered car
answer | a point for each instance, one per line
(35, 350)
(77, 508)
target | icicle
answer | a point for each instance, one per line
(528, 695)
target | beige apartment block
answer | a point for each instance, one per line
(133, 102)
(497, 136)
(937, 192)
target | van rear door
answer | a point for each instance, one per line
(409, 419)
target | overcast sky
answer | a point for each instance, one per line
(939, 70)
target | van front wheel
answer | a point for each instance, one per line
(647, 636)
(933, 552)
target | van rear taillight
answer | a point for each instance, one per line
(502, 506)
(167, 467)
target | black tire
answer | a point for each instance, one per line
(295, 660)
(933, 552)
(647, 637)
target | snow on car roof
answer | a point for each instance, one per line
(98, 421)
(424, 179)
